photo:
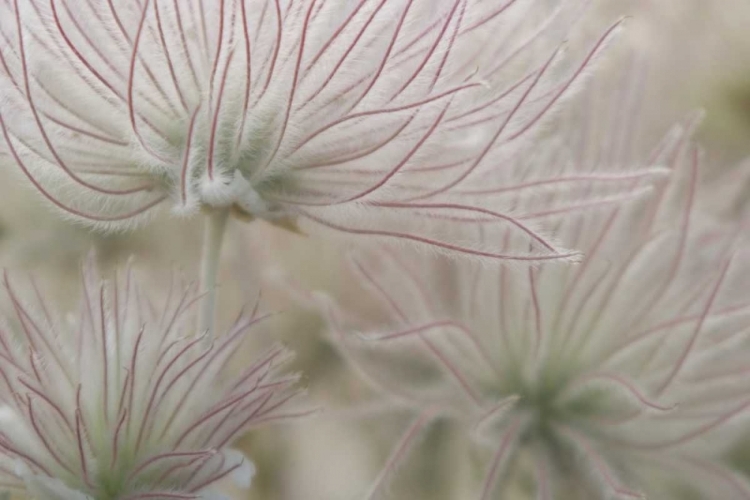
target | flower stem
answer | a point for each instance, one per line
(213, 236)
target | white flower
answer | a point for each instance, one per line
(606, 374)
(124, 401)
(369, 117)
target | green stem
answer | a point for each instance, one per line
(213, 236)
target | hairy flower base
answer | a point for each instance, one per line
(125, 400)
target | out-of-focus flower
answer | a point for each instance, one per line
(605, 374)
(371, 117)
(124, 400)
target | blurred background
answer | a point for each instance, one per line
(689, 54)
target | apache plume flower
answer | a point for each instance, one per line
(603, 374)
(126, 401)
(369, 117)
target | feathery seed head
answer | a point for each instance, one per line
(362, 116)
(125, 401)
(629, 362)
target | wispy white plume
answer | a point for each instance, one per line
(367, 117)
(125, 399)
(632, 362)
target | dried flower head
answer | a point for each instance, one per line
(363, 116)
(125, 401)
(602, 374)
